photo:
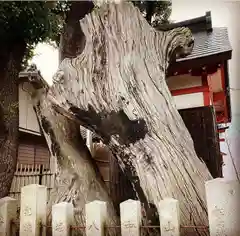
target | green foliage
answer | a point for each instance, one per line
(31, 22)
(161, 10)
(38, 21)
(42, 21)
(28, 56)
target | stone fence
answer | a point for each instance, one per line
(223, 203)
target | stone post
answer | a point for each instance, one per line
(8, 213)
(62, 218)
(96, 213)
(169, 217)
(130, 213)
(223, 202)
(33, 211)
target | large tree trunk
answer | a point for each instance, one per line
(77, 178)
(11, 58)
(117, 88)
(72, 40)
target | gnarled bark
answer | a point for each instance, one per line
(77, 178)
(117, 88)
(11, 58)
(72, 39)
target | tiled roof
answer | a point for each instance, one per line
(209, 43)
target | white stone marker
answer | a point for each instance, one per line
(8, 212)
(62, 218)
(223, 202)
(96, 213)
(130, 213)
(169, 217)
(33, 210)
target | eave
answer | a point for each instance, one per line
(210, 63)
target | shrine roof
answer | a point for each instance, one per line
(211, 44)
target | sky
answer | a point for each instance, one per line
(46, 59)
(224, 14)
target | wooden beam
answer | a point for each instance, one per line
(223, 86)
(219, 96)
(197, 89)
(206, 94)
(210, 62)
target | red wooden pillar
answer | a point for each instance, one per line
(206, 92)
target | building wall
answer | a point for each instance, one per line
(32, 150)
(215, 82)
(186, 81)
(201, 124)
(32, 147)
(27, 118)
(102, 158)
(189, 100)
(183, 81)
(188, 92)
